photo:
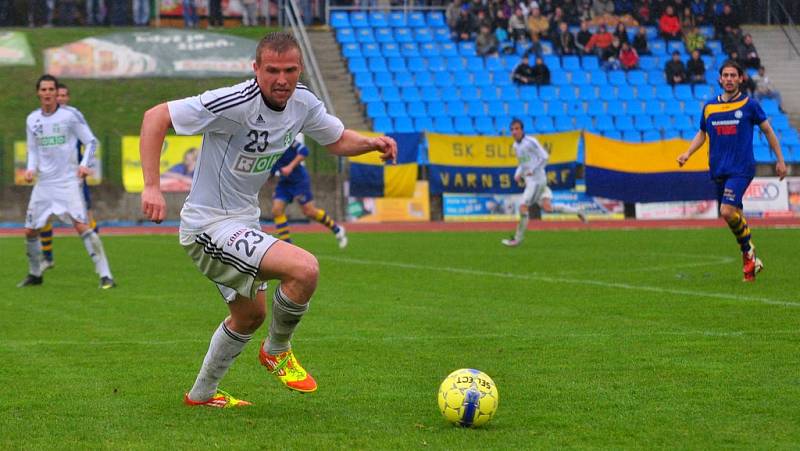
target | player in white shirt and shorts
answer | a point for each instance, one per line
(52, 135)
(246, 128)
(532, 159)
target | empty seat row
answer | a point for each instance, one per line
(397, 35)
(379, 19)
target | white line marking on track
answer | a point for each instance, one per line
(566, 280)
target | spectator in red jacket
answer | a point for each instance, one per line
(600, 41)
(669, 25)
(628, 58)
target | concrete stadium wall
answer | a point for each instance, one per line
(112, 203)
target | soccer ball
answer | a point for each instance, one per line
(468, 398)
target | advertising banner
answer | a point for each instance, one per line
(178, 158)
(174, 8)
(170, 53)
(700, 209)
(14, 49)
(486, 164)
(21, 164)
(767, 197)
(793, 185)
(372, 177)
(391, 209)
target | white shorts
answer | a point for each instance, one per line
(535, 192)
(229, 253)
(66, 202)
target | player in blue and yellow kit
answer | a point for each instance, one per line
(46, 232)
(295, 183)
(728, 121)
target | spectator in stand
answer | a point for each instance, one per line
(505, 45)
(610, 56)
(465, 26)
(537, 23)
(623, 7)
(118, 13)
(640, 42)
(482, 19)
(215, 14)
(734, 56)
(657, 9)
(621, 33)
(564, 42)
(764, 87)
(731, 40)
(699, 10)
(541, 73)
(642, 12)
(669, 26)
(688, 21)
(523, 73)
(190, 19)
(68, 13)
(141, 12)
(536, 46)
(694, 40)
(547, 7)
(602, 10)
(725, 20)
(696, 68)
(748, 53)
(570, 8)
(628, 58)
(555, 19)
(486, 43)
(675, 71)
(518, 27)
(583, 37)
(501, 20)
(600, 41)
(748, 86)
(249, 13)
(452, 13)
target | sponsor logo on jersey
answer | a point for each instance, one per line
(235, 235)
(259, 119)
(726, 127)
(255, 165)
(56, 140)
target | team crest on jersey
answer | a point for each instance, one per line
(288, 138)
(738, 114)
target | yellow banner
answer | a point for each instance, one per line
(178, 157)
(21, 164)
(659, 156)
(392, 209)
(496, 151)
(373, 158)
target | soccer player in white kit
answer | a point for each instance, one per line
(246, 128)
(53, 132)
(531, 170)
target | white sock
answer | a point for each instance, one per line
(522, 226)
(225, 346)
(34, 252)
(95, 249)
(285, 316)
(565, 208)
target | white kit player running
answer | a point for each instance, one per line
(246, 128)
(531, 171)
(53, 132)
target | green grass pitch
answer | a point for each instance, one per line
(596, 339)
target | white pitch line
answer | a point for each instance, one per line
(549, 279)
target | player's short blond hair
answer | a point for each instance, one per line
(278, 42)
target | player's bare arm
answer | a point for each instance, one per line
(155, 125)
(353, 143)
(697, 142)
(772, 139)
(84, 172)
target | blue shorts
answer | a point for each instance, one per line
(86, 195)
(730, 190)
(287, 191)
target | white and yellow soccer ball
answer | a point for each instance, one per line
(468, 398)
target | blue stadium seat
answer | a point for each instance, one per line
(683, 92)
(431, 94)
(369, 94)
(567, 93)
(396, 64)
(770, 106)
(363, 79)
(648, 63)
(651, 136)
(570, 62)
(377, 64)
(484, 125)
(357, 65)
(423, 124)
(417, 64)
(416, 109)
(598, 78)
(455, 64)
(382, 124)
(461, 78)
(403, 124)
(410, 94)
(789, 137)
(469, 92)
(501, 78)
(384, 36)
(615, 107)
(637, 78)
(587, 93)
(359, 20)
(390, 93)
(494, 63)
(673, 107)
(563, 123)
(626, 92)
(576, 107)
(579, 78)
(396, 109)
(489, 93)
(643, 122)
(475, 108)
(436, 65)
(397, 19)
(390, 50)
(423, 79)
(608, 93)
(613, 134)
(684, 122)
(535, 107)
(704, 93)
(780, 122)
(409, 49)
(340, 19)
(495, 108)
(443, 79)
(645, 93)
(556, 108)
(583, 122)
(664, 92)
(595, 108)
(456, 108)
(352, 49)
(544, 124)
(510, 92)
(423, 35)
(463, 125)
(675, 46)
(441, 34)
(632, 136)
(604, 123)
(403, 35)
(466, 48)
(527, 122)
(590, 63)
(378, 19)
(429, 49)
(449, 49)
(634, 107)
(658, 48)
(715, 47)
(436, 19)
(416, 20)
(517, 107)
(482, 79)
(552, 62)
(501, 124)
(547, 93)
(763, 154)
(617, 78)
(345, 35)
(376, 109)
(383, 79)
(688, 134)
(662, 121)
(436, 109)
(623, 123)
(559, 78)
(474, 63)
(443, 124)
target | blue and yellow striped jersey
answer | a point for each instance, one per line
(729, 126)
(299, 173)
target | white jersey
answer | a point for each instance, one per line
(53, 142)
(243, 137)
(532, 159)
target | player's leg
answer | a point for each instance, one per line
(87, 197)
(528, 195)
(298, 272)
(94, 247)
(546, 202)
(34, 252)
(227, 342)
(280, 199)
(731, 193)
(317, 214)
(46, 239)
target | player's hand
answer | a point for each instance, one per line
(518, 179)
(387, 147)
(285, 171)
(154, 206)
(29, 175)
(84, 172)
(780, 169)
(683, 158)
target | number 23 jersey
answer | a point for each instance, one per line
(243, 137)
